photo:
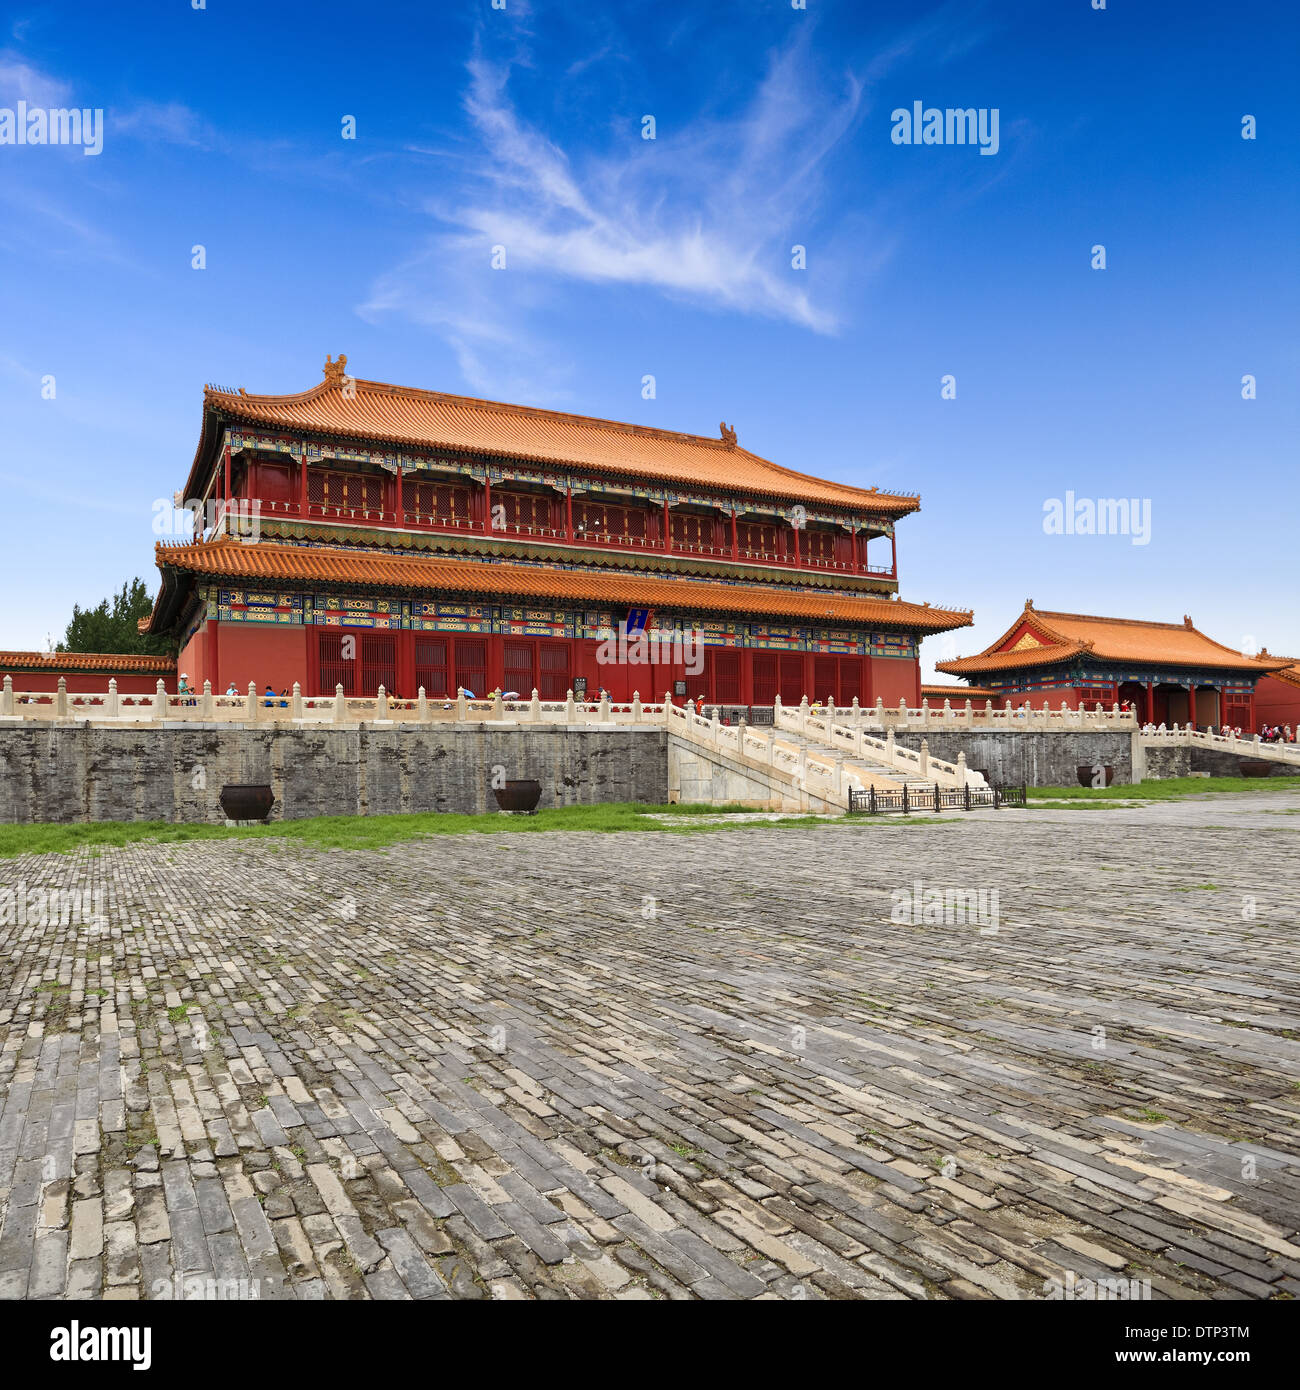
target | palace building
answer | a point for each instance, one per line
(1171, 673)
(365, 534)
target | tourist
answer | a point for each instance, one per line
(269, 695)
(230, 689)
(1290, 737)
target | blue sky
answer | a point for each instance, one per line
(627, 257)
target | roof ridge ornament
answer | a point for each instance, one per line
(335, 371)
(728, 435)
(1187, 622)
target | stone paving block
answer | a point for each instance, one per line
(940, 1125)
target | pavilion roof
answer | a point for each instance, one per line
(411, 416)
(1050, 638)
(266, 564)
(72, 663)
(1290, 672)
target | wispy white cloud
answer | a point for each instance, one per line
(705, 214)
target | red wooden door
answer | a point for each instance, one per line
(766, 679)
(471, 665)
(431, 669)
(791, 680)
(335, 670)
(553, 673)
(520, 668)
(378, 662)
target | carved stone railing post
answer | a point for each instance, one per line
(776, 710)
(715, 729)
(891, 753)
(961, 768)
(496, 704)
(636, 707)
(160, 701)
(925, 713)
(251, 709)
(462, 705)
(830, 710)
(947, 709)
(668, 706)
(925, 758)
(205, 708)
(605, 714)
(570, 711)
(381, 704)
(857, 713)
(803, 714)
(422, 706)
(340, 705)
(112, 708)
(535, 708)
(7, 696)
(970, 711)
(61, 698)
(297, 700)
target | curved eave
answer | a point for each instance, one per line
(286, 566)
(223, 408)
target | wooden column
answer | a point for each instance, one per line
(227, 475)
(893, 554)
(568, 512)
(795, 529)
(1151, 703)
(735, 548)
(857, 562)
(1191, 705)
(401, 501)
(1223, 709)
(487, 502)
(668, 528)
(303, 503)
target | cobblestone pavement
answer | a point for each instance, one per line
(654, 1066)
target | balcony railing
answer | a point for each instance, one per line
(462, 525)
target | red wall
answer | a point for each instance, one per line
(283, 655)
(95, 683)
(261, 654)
(1277, 702)
(893, 679)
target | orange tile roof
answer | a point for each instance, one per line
(1290, 672)
(232, 559)
(71, 662)
(1067, 635)
(433, 419)
(959, 694)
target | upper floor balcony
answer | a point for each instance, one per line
(610, 522)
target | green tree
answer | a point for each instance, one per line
(111, 626)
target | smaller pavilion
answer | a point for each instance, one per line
(1171, 673)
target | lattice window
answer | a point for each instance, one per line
(757, 538)
(693, 530)
(442, 502)
(524, 508)
(819, 545)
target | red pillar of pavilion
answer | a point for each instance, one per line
(735, 549)
(1151, 703)
(893, 554)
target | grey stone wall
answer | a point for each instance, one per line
(1047, 758)
(1219, 763)
(1164, 761)
(176, 773)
